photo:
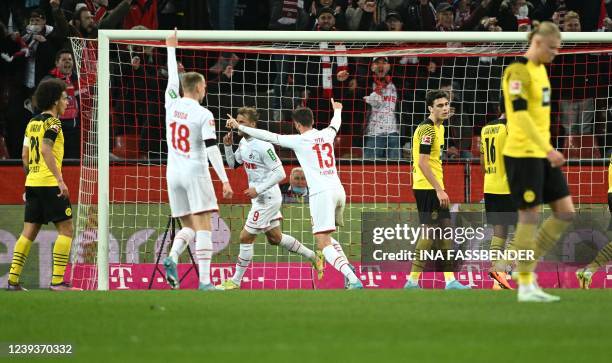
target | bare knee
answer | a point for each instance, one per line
(274, 237)
(246, 237)
(65, 228)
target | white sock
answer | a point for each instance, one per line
(291, 244)
(340, 263)
(204, 251)
(182, 239)
(338, 248)
(244, 259)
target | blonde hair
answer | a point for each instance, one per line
(190, 80)
(545, 28)
(250, 113)
(571, 15)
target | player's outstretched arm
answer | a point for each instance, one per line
(336, 121)
(172, 89)
(25, 155)
(256, 133)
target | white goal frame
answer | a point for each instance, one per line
(103, 80)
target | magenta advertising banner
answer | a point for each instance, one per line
(300, 276)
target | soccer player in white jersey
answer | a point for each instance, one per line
(190, 135)
(315, 152)
(264, 171)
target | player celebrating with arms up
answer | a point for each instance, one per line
(191, 139)
(47, 196)
(264, 171)
(315, 152)
(533, 166)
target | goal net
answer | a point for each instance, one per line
(381, 80)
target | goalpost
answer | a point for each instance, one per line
(277, 71)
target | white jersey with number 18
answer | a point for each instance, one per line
(188, 125)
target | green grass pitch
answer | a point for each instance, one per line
(312, 326)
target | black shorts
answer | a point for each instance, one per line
(500, 209)
(43, 206)
(534, 182)
(428, 206)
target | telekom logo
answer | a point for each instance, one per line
(122, 274)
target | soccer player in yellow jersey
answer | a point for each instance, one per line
(532, 164)
(585, 275)
(428, 184)
(47, 197)
(499, 206)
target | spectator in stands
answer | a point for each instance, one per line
(338, 13)
(12, 15)
(421, 15)
(64, 70)
(296, 191)
(576, 80)
(382, 139)
(142, 12)
(460, 126)
(221, 16)
(142, 95)
(85, 23)
(513, 13)
(446, 22)
(43, 42)
(12, 60)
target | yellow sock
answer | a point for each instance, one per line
(523, 240)
(449, 276)
(602, 258)
(418, 265)
(61, 254)
(497, 243)
(414, 275)
(20, 254)
(548, 235)
(525, 278)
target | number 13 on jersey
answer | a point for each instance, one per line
(325, 155)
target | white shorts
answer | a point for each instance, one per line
(191, 194)
(326, 210)
(264, 214)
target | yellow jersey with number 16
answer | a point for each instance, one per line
(43, 126)
(492, 141)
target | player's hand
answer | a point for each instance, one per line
(136, 63)
(342, 76)
(443, 198)
(555, 158)
(228, 139)
(336, 105)
(227, 191)
(64, 193)
(172, 40)
(251, 193)
(231, 122)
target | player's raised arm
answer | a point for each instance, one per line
(232, 158)
(172, 89)
(336, 121)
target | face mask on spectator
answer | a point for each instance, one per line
(298, 190)
(34, 29)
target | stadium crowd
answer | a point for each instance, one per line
(384, 95)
